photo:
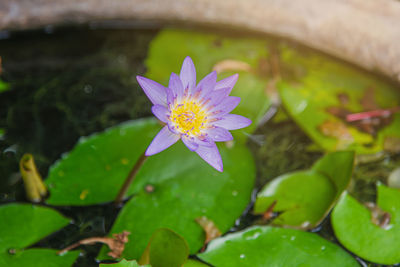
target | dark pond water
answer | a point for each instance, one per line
(73, 82)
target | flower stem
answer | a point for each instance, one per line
(129, 179)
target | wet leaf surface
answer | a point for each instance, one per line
(185, 188)
(96, 168)
(270, 246)
(304, 198)
(21, 226)
(358, 231)
(165, 249)
(224, 54)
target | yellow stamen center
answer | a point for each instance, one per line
(189, 117)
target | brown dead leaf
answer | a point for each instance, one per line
(209, 228)
(379, 217)
(115, 243)
(269, 213)
(391, 144)
(339, 112)
(336, 129)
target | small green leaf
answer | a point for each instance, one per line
(124, 263)
(184, 187)
(170, 47)
(353, 227)
(306, 197)
(270, 246)
(302, 197)
(165, 249)
(22, 225)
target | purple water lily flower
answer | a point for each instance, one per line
(199, 115)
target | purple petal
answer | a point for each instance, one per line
(232, 122)
(206, 85)
(189, 143)
(170, 97)
(154, 91)
(172, 127)
(160, 112)
(204, 140)
(227, 82)
(211, 156)
(175, 84)
(217, 96)
(164, 139)
(226, 106)
(188, 74)
(219, 134)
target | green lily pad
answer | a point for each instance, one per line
(165, 249)
(124, 263)
(21, 226)
(304, 198)
(353, 227)
(321, 86)
(270, 246)
(184, 188)
(170, 47)
(96, 168)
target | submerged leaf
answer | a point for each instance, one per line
(331, 91)
(165, 249)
